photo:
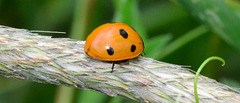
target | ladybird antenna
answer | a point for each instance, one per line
(112, 66)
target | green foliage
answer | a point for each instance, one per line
(91, 97)
(154, 46)
(82, 17)
(127, 11)
(219, 16)
(200, 69)
(169, 30)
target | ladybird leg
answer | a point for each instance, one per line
(112, 66)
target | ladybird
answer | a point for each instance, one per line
(114, 42)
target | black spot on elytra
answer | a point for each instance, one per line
(110, 51)
(133, 48)
(123, 33)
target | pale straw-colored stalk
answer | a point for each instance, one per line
(62, 61)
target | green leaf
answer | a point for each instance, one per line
(64, 94)
(155, 45)
(161, 14)
(87, 96)
(127, 11)
(116, 100)
(181, 41)
(221, 17)
(82, 16)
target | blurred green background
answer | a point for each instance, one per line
(181, 32)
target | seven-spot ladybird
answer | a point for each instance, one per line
(114, 42)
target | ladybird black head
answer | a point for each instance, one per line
(110, 50)
(123, 33)
(133, 48)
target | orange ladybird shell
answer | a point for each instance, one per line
(114, 42)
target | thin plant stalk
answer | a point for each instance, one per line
(62, 61)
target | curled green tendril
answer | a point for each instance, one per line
(200, 69)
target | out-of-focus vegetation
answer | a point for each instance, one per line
(178, 31)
